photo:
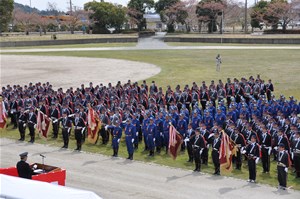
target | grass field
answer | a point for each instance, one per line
(186, 66)
(222, 44)
(93, 45)
(217, 35)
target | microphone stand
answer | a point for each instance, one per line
(43, 161)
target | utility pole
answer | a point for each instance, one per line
(71, 14)
(246, 21)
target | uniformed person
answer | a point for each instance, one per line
(282, 166)
(66, 124)
(54, 115)
(151, 132)
(117, 134)
(79, 127)
(129, 138)
(252, 153)
(296, 153)
(22, 124)
(32, 120)
(189, 136)
(265, 143)
(240, 143)
(198, 146)
(215, 152)
(23, 168)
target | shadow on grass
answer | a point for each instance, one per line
(173, 178)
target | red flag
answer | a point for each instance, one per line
(94, 125)
(175, 141)
(43, 123)
(3, 115)
(227, 149)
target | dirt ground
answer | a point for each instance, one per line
(69, 72)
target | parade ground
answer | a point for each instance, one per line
(113, 178)
(118, 178)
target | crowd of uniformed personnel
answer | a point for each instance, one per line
(259, 124)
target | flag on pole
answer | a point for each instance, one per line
(3, 115)
(175, 141)
(94, 125)
(43, 124)
(227, 149)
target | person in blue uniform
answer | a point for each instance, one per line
(144, 130)
(166, 126)
(151, 132)
(129, 138)
(136, 123)
(182, 128)
(196, 119)
(116, 136)
(208, 120)
(23, 168)
(159, 132)
(220, 118)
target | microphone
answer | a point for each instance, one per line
(42, 155)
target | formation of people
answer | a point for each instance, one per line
(261, 126)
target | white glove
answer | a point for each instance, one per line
(106, 127)
(118, 140)
(286, 169)
(292, 156)
(54, 121)
(34, 126)
(244, 151)
(161, 134)
(24, 125)
(137, 134)
(270, 150)
(276, 148)
(35, 166)
(153, 139)
(69, 129)
(170, 123)
(186, 139)
(132, 140)
(256, 161)
(82, 131)
(201, 151)
(207, 146)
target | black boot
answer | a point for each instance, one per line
(131, 156)
(196, 167)
(114, 155)
(117, 150)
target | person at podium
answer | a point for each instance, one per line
(24, 170)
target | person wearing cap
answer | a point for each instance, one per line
(266, 148)
(22, 120)
(129, 138)
(136, 123)
(182, 128)
(252, 153)
(151, 132)
(296, 152)
(54, 114)
(32, 120)
(218, 63)
(216, 143)
(220, 118)
(198, 144)
(104, 121)
(79, 127)
(159, 131)
(23, 168)
(204, 98)
(116, 137)
(144, 131)
(240, 143)
(66, 125)
(282, 166)
(269, 89)
(189, 136)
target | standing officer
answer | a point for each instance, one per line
(144, 130)
(240, 142)
(198, 146)
(54, 114)
(189, 136)
(32, 124)
(151, 132)
(215, 152)
(129, 138)
(66, 124)
(117, 134)
(265, 143)
(182, 128)
(252, 153)
(166, 126)
(218, 63)
(296, 153)
(136, 123)
(22, 124)
(79, 127)
(282, 166)
(23, 168)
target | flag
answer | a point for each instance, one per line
(175, 141)
(94, 125)
(43, 123)
(3, 115)
(227, 149)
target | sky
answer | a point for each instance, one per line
(63, 5)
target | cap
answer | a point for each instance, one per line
(282, 145)
(253, 136)
(198, 129)
(23, 154)
(151, 118)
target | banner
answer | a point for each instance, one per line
(227, 149)
(3, 115)
(43, 123)
(94, 125)
(175, 141)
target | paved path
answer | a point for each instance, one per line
(156, 43)
(117, 178)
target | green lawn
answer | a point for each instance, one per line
(162, 159)
(241, 35)
(222, 44)
(186, 66)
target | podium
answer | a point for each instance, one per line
(45, 173)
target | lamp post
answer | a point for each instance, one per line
(246, 21)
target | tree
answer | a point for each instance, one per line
(192, 19)
(176, 13)
(106, 15)
(24, 20)
(6, 9)
(208, 12)
(137, 9)
(161, 6)
(257, 14)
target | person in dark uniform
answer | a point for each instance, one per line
(32, 120)
(54, 114)
(189, 136)
(296, 153)
(198, 146)
(240, 142)
(282, 166)
(66, 124)
(265, 143)
(79, 126)
(23, 168)
(22, 124)
(215, 151)
(252, 153)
